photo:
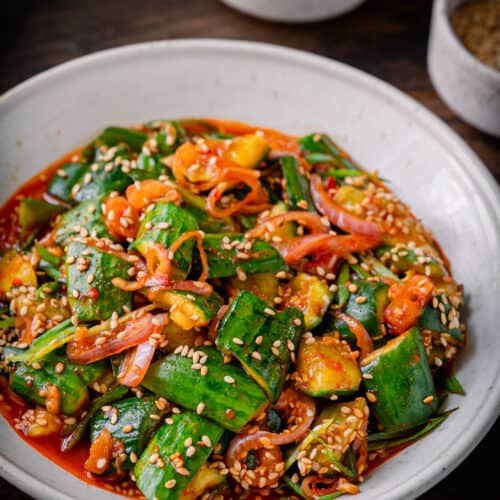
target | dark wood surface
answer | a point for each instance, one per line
(387, 38)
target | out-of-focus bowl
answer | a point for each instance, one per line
(294, 11)
(428, 165)
(469, 87)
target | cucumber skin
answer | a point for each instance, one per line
(87, 215)
(431, 320)
(369, 313)
(27, 382)
(104, 267)
(401, 380)
(60, 187)
(297, 185)
(223, 263)
(169, 439)
(180, 221)
(173, 378)
(247, 320)
(133, 411)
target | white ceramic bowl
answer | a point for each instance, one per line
(469, 87)
(429, 166)
(294, 11)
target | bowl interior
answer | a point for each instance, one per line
(428, 166)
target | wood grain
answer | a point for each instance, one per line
(387, 38)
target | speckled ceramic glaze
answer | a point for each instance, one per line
(466, 85)
(428, 165)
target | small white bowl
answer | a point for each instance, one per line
(468, 86)
(293, 11)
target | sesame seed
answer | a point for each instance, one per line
(170, 483)
(169, 421)
(428, 400)
(101, 463)
(228, 379)
(290, 345)
(203, 371)
(353, 288)
(237, 341)
(188, 442)
(367, 376)
(190, 451)
(90, 278)
(183, 471)
(259, 340)
(361, 300)
(200, 408)
(297, 322)
(371, 397)
(256, 355)
(269, 311)
(127, 428)
(206, 441)
(59, 368)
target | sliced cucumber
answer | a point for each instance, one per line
(86, 217)
(261, 339)
(164, 224)
(325, 366)
(226, 252)
(400, 381)
(89, 272)
(180, 465)
(189, 310)
(225, 394)
(248, 151)
(311, 295)
(139, 417)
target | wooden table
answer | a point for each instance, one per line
(387, 38)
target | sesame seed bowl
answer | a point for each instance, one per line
(429, 167)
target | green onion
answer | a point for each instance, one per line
(453, 386)
(331, 456)
(432, 423)
(295, 487)
(314, 158)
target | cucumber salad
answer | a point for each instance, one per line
(205, 309)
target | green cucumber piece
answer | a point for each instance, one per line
(264, 285)
(164, 224)
(231, 405)
(148, 167)
(430, 318)
(36, 214)
(248, 150)
(311, 295)
(402, 259)
(370, 312)
(205, 222)
(224, 258)
(28, 382)
(400, 379)
(86, 217)
(249, 318)
(113, 136)
(169, 441)
(206, 479)
(96, 298)
(101, 182)
(297, 185)
(325, 367)
(61, 184)
(75, 432)
(134, 412)
(329, 437)
(189, 310)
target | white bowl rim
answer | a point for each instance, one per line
(440, 9)
(482, 180)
